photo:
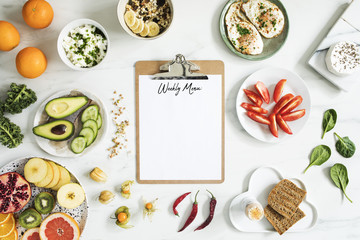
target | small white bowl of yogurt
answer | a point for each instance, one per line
(83, 44)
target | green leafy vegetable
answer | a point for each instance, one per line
(329, 121)
(319, 155)
(19, 98)
(10, 133)
(339, 175)
(345, 146)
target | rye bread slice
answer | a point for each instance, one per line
(281, 223)
(286, 197)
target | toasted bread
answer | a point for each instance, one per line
(286, 197)
(281, 223)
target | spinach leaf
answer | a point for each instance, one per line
(329, 121)
(319, 155)
(339, 175)
(345, 146)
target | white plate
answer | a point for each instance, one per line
(62, 149)
(270, 77)
(261, 182)
(79, 214)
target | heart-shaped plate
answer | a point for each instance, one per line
(261, 182)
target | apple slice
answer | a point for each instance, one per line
(64, 178)
(48, 178)
(35, 170)
(71, 195)
(56, 177)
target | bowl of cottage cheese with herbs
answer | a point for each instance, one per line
(83, 44)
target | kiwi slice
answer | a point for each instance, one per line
(44, 202)
(29, 218)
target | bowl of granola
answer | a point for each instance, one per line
(145, 19)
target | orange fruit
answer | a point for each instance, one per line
(13, 235)
(10, 36)
(31, 234)
(31, 62)
(7, 227)
(37, 13)
(122, 217)
(4, 217)
(59, 226)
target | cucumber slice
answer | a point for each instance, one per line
(91, 112)
(88, 134)
(78, 145)
(99, 121)
(91, 124)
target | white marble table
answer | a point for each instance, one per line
(194, 33)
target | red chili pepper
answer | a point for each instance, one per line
(177, 201)
(211, 215)
(192, 214)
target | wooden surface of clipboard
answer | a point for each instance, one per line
(209, 67)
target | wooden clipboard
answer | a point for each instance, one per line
(208, 67)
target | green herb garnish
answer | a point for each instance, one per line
(319, 155)
(242, 31)
(345, 146)
(329, 121)
(339, 175)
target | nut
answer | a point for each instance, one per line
(98, 175)
(106, 197)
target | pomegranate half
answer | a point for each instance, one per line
(15, 192)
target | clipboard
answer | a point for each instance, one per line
(160, 70)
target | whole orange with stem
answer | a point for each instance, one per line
(38, 13)
(10, 36)
(31, 62)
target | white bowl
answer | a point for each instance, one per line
(65, 31)
(121, 12)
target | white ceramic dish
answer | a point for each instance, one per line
(270, 77)
(80, 213)
(121, 12)
(63, 150)
(65, 31)
(261, 182)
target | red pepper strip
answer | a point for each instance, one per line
(258, 118)
(279, 89)
(177, 201)
(292, 116)
(282, 124)
(282, 102)
(253, 108)
(211, 215)
(252, 96)
(294, 103)
(192, 214)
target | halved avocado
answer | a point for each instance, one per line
(65, 106)
(58, 130)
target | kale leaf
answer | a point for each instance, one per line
(19, 98)
(10, 133)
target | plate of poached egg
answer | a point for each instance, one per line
(254, 29)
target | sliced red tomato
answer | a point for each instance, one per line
(273, 125)
(258, 118)
(296, 101)
(282, 102)
(292, 116)
(282, 124)
(263, 91)
(279, 89)
(253, 97)
(253, 108)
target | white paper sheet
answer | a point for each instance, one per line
(180, 129)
